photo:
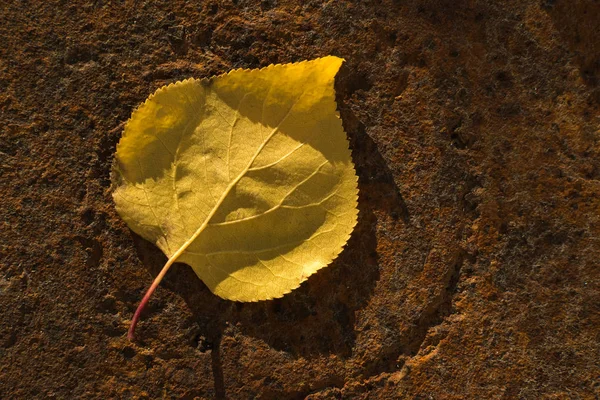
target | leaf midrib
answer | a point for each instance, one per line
(231, 185)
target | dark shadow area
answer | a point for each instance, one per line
(376, 182)
(217, 368)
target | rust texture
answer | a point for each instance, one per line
(473, 271)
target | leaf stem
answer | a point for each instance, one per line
(155, 283)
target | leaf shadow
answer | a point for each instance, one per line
(319, 317)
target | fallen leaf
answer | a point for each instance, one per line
(247, 177)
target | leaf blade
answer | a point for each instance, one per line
(264, 200)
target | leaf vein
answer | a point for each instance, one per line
(280, 204)
(257, 251)
(271, 271)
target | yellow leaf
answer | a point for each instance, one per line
(246, 177)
